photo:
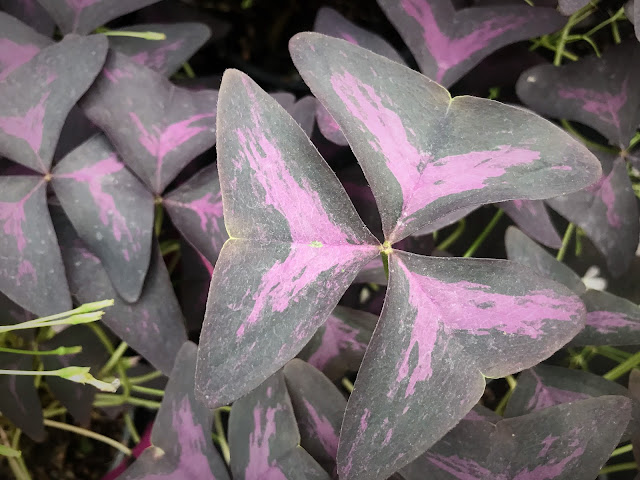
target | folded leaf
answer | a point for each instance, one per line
(532, 218)
(447, 43)
(419, 148)
(36, 98)
(263, 437)
(31, 270)
(291, 254)
(446, 324)
(156, 127)
(111, 211)
(181, 436)
(597, 91)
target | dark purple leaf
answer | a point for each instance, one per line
(445, 221)
(111, 211)
(566, 442)
(338, 346)
(83, 16)
(153, 326)
(31, 13)
(319, 407)
(533, 219)
(163, 56)
(18, 42)
(607, 211)
(196, 210)
(157, 128)
(448, 43)
(372, 272)
(525, 251)
(418, 147)
(611, 320)
(296, 245)
(31, 270)
(568, 7)
(597, 91)
(36, 98)
(181, 436)
(77, 398)
(447, 323)
(193, 286)
(264, 438)
(19, 401)
(303, 111)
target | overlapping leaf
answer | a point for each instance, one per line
(264, 438)
(566, 442)
(568, 7)
(153, 326)
(446, 322)
(36, 98)
(163, 56)
(18, 44)
(318, 406)
(31, 13)
(597, 91)
(156, 127)
(448, 43)
(420, 149)
(303, 111)
(83, 16)
(607, 211)
(31, 269)
(339, 345)
(296, 244)
(532, 217)
(181, 436)
(610, 320)
(111, 211)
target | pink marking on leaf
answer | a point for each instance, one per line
(449, 52)
(546, 444)
(605, 191)
(526, 204)
(295, 199)
(422, 178)
(360, 438)
(116, 74)
(78, 6)
(209, 210)
(604, 104)
(159, 142)
(337, 336)
(28, 127)
(12, 55)
(92, 177)
(610, 322)
(323, 430)
(259, 465)
(474, 309)
(461, 468)
(550, 470)
(26, 269)
(296, 277)
(157, 58)
(545, 396)
(12, 215)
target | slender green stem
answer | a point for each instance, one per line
(89, 434)
(159, 218)
(385, 251)
(147, 390)
(348, 386)
(511, 381)
(589, 143)
(147, 377)
(188, 70)
(450, 240)
(128, 421)
(614, 351)
(102, 336)
(112, 400)
(54, 412)
(619, 467)
(222, 439)
(169, 246)
(621, 450)
(629, 364)
(113, 360)
(122, 33)
(57, 351)
(485, 233)
(14, 465)
(565, 242)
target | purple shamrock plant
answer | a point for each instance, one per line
(447, 323)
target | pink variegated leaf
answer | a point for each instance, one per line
(420, 149)
(296, 245)
(302, 111)
(318, 406)
(31, 13)
(565, 442)
(36, 98)
(18, 44)
(447, 43)
(196, 210)
(264, 438)
(83, 16)
(181, 445)
(447, 323)
(31, 270)
(532, 218)
(156, 127)
(163, 56)
(607, 212)
(596, 91)
(111, 211)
